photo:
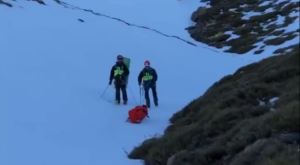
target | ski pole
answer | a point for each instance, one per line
(104, 91)
(132, 94)
(140, 95)
(143, 94)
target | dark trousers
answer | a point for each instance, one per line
(121, 87)
(147, 87)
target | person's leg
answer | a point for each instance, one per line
(154, 93)
(146, 89)
(124, 93)
(118, 89)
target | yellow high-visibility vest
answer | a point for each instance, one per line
(147, 77)
(118, 71)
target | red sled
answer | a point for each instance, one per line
(137, 114)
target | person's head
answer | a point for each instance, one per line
(147, 64)
(119, 58)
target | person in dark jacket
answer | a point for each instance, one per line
(149, 77)
(119, 73)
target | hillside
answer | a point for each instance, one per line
(246, 26)
(248, 118)
(252, 116)
(55, 61)
(56, 105)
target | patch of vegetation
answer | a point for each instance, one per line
(259, 51)
(39, 1)
(286, 49)
(248, 118)
(241, 18)
(280, 40)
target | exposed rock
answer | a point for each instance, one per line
(220, 37)
(199, 12)
(58, 1)
(241, 49)
(5, 3)
(171, 159)
(257, 144)
(287, 49)
(277, 32)
(280, 40)
(290, 137)
(39, 1)
(259, 51)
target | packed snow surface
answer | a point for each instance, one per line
(54, 69)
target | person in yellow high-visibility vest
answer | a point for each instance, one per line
(149, 77)
(119, 73)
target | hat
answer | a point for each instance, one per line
(147, 63)
(119, 57)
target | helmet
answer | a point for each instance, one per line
(147, 63)
(119, 57)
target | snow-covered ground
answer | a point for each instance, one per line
(54, 68)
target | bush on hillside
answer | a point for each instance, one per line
(249, 22)
(248, 118)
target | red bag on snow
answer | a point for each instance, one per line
(137, 114)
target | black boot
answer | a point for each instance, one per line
(124, 94)
(156, 103)
(148, 103)
(118, 91)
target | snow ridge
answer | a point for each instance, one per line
(127, 23)
(69, 6)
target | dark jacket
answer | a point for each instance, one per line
(151, 72)
(123, 76)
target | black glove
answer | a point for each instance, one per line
(109, 82)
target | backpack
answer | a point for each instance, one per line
(137, 114)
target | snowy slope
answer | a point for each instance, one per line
(170, 16)
(53, 70)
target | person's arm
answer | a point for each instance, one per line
(155, 76)
(111, 74)
(140, 77)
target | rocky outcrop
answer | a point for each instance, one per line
(244, 23)
(39, 1)
(5, 3)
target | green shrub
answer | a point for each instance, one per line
(234, 122)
